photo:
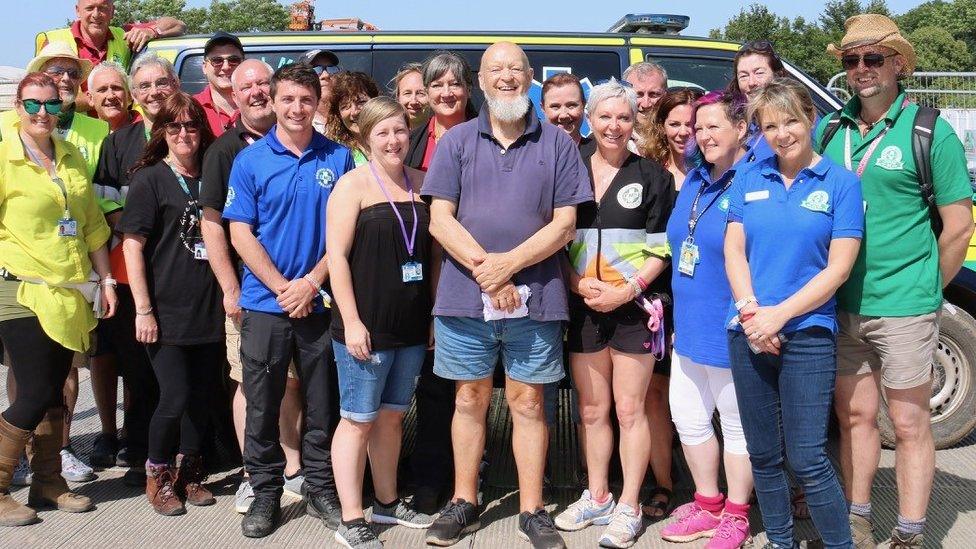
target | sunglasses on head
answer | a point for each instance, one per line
(57, 72)
(331, 69)
(870, 60)
(217, 61)
(174, 128)
(33, 106)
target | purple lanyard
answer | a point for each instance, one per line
(411, 240)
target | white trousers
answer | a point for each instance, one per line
(696, 391)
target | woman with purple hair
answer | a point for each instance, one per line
(701, 378)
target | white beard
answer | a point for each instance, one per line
(508, 110)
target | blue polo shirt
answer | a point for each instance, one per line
(700, 301)
(788, 231)
(283, 197)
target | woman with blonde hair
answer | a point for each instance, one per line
(407, 87)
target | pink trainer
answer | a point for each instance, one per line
(731, 533)
(695, 523)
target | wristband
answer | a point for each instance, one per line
(326, 298)
(147, 313)
(636, 286)
(739, 305)
(641, 282)
(109, 281)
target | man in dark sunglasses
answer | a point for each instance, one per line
(325, 63)
(222, 53)
(916, 237)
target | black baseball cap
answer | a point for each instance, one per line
(221, 38)
(309, 57)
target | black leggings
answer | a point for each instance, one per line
(40, 365)
(187, 375)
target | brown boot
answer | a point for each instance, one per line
(48, 487)
(189, 480)
(12, 442)
(161, 490)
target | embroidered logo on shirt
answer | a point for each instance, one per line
(231, 195)
(817, 201)
(325, 177)
(630, 196)
(724, 204)
(890, 158)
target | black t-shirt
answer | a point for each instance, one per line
(184, 292)
(217, 162)
(120, 151)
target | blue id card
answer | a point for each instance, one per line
(412, 271)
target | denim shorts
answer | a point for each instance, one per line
(468, 349)
(387, 380)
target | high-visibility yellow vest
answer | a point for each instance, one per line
(118, 49)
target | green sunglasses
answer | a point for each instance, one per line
(33, 106)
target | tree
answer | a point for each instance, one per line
(938, 50)
(224, 15)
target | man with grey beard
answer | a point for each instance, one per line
(504, 190)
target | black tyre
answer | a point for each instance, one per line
(953, 402)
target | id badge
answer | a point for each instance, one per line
(412, 271)
(200, 251)
(67, 227)
(688, 258)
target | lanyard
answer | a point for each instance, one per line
(411, 240)
(863, 164)
(182, 182)
(692, 218)
(52, 174)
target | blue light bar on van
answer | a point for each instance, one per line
(651, 23)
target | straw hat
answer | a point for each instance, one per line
(870, 29)
(54, 50)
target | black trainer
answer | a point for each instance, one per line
(539, 530)
(323, 505)
(457, 519)
(262, 517)
(103, 451)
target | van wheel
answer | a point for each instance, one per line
(953, 384)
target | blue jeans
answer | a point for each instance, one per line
(784, 404)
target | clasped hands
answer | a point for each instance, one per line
(493, 273)
(295, 297)
(601, 296)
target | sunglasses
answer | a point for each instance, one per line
(33, 106)
(871, 60)
(758, 45)
(57, 72)
(217, 61)
(331, 69)
(174, 128)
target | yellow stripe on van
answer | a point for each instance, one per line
(487, 39)
(636, 55)
(167, 54)
(677, 43)
(186, 43)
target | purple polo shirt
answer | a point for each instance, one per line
(503, 197)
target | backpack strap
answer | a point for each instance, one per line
(833, 124)
(922, 132)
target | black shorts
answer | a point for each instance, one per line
(623, 330)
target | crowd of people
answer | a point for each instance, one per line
(330, 255)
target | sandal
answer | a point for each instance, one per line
(798, 502)
(658, 509)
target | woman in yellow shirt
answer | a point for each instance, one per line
(52, 233)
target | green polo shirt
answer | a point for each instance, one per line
(897, 270)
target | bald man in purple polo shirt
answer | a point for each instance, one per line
(504, 190)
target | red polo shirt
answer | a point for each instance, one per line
(218, 120)
(96, 54)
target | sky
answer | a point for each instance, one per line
(22, 19)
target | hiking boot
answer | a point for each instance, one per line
(262, 517)
(539, 530)
(732, 532)
(48, 487)
(400, 513)
(189, 481)
(22, 474)
(457, 518)
(693, 523)
(357, 535)
(161, 490)
(12, 443)
(324, 506)
(244, 497)
(584, 512)
(74, 469)
(862, 531)
(624, 527)
(901, 540)
(103, 451)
